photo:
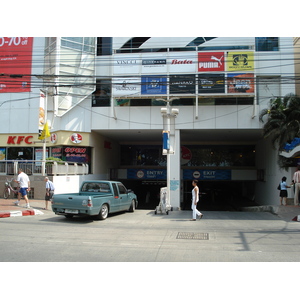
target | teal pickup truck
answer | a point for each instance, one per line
(96, 198)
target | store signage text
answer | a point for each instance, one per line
(154, 61)
(210, 61)
(75, 150)
(184, 62)
(17, 140)
(127, 62)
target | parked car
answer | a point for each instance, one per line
(95, 198)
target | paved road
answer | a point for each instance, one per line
(143, 236)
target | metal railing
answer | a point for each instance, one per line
(38, 167)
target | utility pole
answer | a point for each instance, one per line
(169, 114)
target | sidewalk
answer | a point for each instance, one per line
(287, 213)
(7, 207)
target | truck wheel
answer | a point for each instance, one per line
(103, 212)
(132, 206)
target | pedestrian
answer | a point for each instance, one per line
(283, 191)
(296, 180)
(195, 199)
(49, 191)
(24, 184)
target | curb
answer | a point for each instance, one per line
(20, 213)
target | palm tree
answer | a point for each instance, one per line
(283, 122)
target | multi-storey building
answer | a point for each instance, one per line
(110, 92)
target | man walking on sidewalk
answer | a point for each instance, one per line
(24, 184)
(296, 180)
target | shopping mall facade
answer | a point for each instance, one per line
(104, 99)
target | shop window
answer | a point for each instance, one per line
(104, 46)
(221, 156)
(101, 97)
(20, 153)
(142, 155)
(267, 44)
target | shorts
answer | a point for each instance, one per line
(283, 193)
(23, 191)
(48, 198)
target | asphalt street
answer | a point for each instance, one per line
(142, 236)
(169, 255)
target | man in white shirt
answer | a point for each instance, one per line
(49, 191)
(24, 185)
(296, 180)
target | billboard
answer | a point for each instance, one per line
(15, 64)
(126, 86)
(155, 85)
(154, 66)
(240, 83)
(182, 63)
(211, 61)
(182, 84)
(240, 61)
(211, 83)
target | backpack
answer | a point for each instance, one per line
(279, 188)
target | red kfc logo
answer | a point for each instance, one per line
(76, 138)
(210, 61)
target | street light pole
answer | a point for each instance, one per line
(44, 140)
(168, 141)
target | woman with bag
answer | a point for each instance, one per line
(283, 191)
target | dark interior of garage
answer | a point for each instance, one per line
(214, 195)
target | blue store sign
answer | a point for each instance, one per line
(207, 174)
(155, 85)
(146, 174)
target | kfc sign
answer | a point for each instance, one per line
(210, 61)
(17, 140)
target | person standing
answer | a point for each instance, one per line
(283, 191)
(49, 191)
(296, 180)
(24, 184)
(195, 200)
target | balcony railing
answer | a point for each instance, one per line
(49, 167)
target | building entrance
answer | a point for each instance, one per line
(220, 195)
(147, 191)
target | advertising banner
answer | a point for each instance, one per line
(182, 63)
(240, 61)
(2, 153)
(15, 64)
(77, 154)
(182, 84)
(207, 174)
(211, 83)
(154, 85)
(211, 61)
(240, 83)
(126, 86)
(154, 64)
(128, 64)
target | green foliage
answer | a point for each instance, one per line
(51, 159)
(282, 124)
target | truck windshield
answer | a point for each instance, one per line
(96, 187)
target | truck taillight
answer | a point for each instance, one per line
(90, 203)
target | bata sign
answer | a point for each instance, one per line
(18, 139)
(180, 61)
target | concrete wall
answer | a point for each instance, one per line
(266, 159)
